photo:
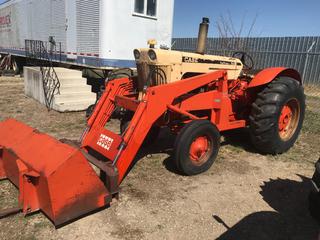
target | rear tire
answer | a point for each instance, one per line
(196, 147)
(277, 116)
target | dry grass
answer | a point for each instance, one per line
(255, 195)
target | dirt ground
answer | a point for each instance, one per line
(244, 195)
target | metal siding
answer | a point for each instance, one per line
(58, 21)
(46, 18)
(268, 52)
(88, 26)
(35, 20)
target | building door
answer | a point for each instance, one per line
(71, 29)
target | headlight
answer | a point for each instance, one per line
(152, 55)
(136, 54)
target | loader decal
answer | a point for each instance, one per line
(186, 59)
(105, 142)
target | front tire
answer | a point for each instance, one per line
(277, 116)
(196, 147)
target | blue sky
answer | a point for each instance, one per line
(275, 17)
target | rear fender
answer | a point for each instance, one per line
(269, 74)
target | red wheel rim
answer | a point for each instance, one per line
(289, 119)
(200, 150)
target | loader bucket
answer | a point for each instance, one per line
(51, 176)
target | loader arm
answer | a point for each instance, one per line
(121, 150)
(57, 179)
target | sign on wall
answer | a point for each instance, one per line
(5, 21)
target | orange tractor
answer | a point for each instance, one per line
(195, 95)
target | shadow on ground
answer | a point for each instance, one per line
(239, 138)
(162, 144)
(290, 220)
(165, 144)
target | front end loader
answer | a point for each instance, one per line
(196, 96)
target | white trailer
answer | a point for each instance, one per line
(95, 33)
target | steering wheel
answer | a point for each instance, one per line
(246, 60)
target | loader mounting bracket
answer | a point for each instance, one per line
(109, 174)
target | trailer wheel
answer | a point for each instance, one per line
(16, 66)
(277, 116)
(90, 110)
(196, 147)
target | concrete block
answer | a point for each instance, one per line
(74, 97)
(74, 93)
(33, 86)
(71, 106)
(69, 88)
(69, 74)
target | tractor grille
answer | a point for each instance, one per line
(143, 72)
(152, 75)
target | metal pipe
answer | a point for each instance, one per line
(7, 212)
(185, 113)
(202, 36)
(306, 61)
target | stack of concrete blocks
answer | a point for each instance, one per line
(75, 94)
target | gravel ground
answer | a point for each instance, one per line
(244, 195)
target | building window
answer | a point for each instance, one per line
(151, 8)
(146, 7)
(139, 6)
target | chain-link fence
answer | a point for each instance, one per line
(300, 53)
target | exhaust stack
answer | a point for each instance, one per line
(202, 36)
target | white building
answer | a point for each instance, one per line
(93, 32)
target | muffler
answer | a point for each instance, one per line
(202, 36)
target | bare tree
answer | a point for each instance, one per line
(232, 36)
